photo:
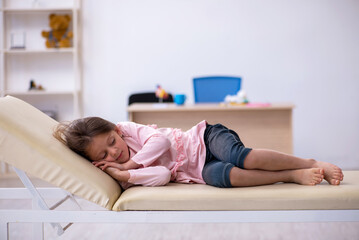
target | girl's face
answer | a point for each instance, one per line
(109, 147)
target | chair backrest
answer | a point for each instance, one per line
(147, 97)
(215, 88)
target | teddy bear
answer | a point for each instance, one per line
(59, 36)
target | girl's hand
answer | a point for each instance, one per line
(117, 174)
(130, 164)
(104, 164)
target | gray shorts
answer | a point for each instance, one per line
(224, 150)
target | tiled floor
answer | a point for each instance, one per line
(307, 231)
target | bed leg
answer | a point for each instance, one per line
(38, 231)
(4, 230)
(37, 228)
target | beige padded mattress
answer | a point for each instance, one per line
(26, 142)
(271, 197)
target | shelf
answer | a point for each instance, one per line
(36, 10)
(56, 69)
(40, 51)
(38, 93)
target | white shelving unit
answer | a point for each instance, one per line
(57, 70)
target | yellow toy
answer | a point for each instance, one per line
(59, 36)
(161, 93)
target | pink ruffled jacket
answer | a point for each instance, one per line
(166, 154)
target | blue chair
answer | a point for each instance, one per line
(215, 89)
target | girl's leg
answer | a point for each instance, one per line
(264, 159)
(225, 145)
(274, 161)
(221, 174)
(217, 173)
(245, 178)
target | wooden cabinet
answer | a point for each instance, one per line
(25, 58)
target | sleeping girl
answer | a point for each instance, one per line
(136, 154)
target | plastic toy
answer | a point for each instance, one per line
(161, 93)
(59, 35)
(239, 98)
(33, 86)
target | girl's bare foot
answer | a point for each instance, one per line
(332, 174)
(309, 176)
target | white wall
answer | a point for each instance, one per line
(301, 51)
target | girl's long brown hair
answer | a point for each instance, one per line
(77, 135)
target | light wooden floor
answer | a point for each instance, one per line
(293, 231)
